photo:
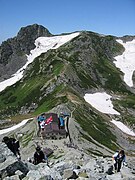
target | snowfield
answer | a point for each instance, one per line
(126, 61)
(102, 102)
(124, 128)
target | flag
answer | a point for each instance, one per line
(48, 120)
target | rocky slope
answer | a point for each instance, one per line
(66, 162)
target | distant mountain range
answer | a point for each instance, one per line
(61, 76)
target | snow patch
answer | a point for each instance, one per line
(126, 61)
(123, 128)
(102, 102)
(3, 131)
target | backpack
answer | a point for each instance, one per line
(17, 144)
(119, 158)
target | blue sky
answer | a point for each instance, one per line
(115, 17)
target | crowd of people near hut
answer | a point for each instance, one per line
(51, 120)
(42, 120)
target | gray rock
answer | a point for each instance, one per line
(10, 164)
(2, 158)
(15, 177)
(67, 173)
(12, 168)
(73, 176)
(110, 170)
(34, 174)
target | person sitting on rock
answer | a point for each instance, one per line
(39, 156)
(118, 158)
(13, 145)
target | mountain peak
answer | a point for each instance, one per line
(33, 30)
(27, 36)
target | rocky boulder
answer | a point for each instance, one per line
(9, 164)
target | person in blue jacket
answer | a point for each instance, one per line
(62, 120)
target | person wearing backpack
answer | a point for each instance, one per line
(13, 145)
(119, 158)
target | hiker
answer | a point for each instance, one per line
(40, 119)
(118, 158)
(61, 120)
(42, 127)
(39, 156)
(13, 145)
